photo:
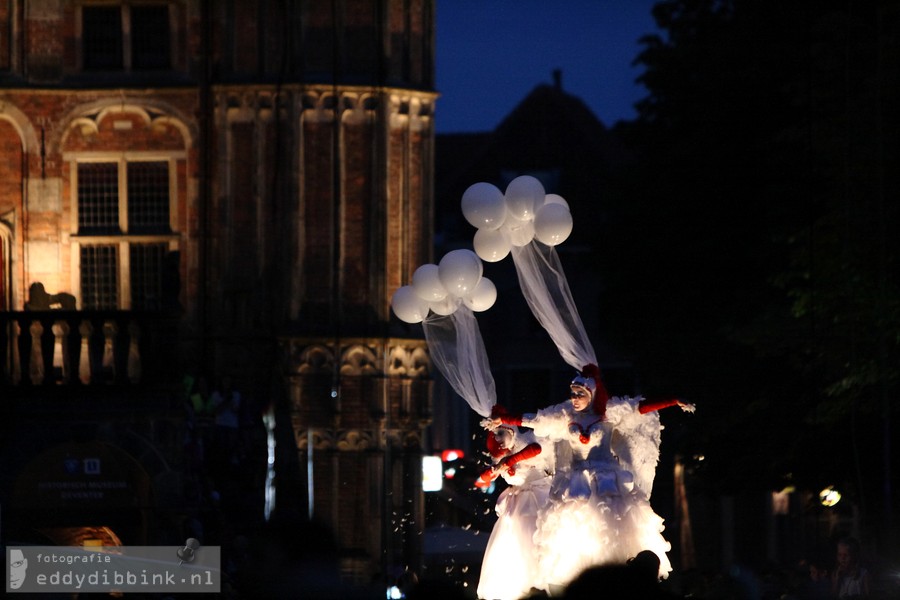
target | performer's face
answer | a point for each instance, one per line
(580, 396)
(504, 437)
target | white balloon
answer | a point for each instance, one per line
(555, 199)
(427, 283)
(492, 245)
(444, 307)
(408, 306)
(483, 206)
(523, 195)
(460, 271)
(520, 232)
(483, 296)
(552, 224)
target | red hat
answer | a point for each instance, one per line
(589, 379)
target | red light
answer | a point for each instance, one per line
(451, 455)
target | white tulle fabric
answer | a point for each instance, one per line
(510, 566)
(457, 350)
(546, 290)
(547, 293)
(597, 512)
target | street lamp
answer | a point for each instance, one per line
(829, 496)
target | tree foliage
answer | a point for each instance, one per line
(754, 262)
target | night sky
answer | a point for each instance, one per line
(492, 53)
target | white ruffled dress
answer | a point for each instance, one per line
(598, 510)
(510, 565)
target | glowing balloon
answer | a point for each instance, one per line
(483, 296)
(492, 245)
(555, 199)
(444, 307)
(520, 232)
(427, 283)
(483, 206)
(460, 271)
(408, 306)
(552, 224)
(523, 195)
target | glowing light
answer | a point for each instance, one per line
(450, 473)
(432, 474)
(829, 496)
(394, 593)
(451, 455)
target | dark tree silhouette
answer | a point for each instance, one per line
(753, 263)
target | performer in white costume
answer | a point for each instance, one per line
(510, 565)
(598, 510)
(606, 449)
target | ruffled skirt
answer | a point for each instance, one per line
(594, 517)
(509, 568)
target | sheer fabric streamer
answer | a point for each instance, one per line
(457, 350)
(547, 293)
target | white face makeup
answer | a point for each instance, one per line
(580, 396)
(504, 437)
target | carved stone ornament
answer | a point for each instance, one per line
(358, 359)
(408, 360)
(322, 439)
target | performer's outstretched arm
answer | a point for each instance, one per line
(654, 404)
(508, 462)
(507, 419)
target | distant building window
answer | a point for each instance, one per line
(124, 233)
(146, 275)
(98, 198)
(100, 277)
(150, 37)
(101, 33)
(148, 197)
(130, 37)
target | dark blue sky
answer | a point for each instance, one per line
(492, 53)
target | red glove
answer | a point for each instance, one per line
(486, 478)
(499, 412)
(529, 451)
(655, 404)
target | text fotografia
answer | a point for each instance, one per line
(85, 557)
(152, 569)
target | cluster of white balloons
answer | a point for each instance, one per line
(441, 288)
(514, 218)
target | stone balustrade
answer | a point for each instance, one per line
(84, 347)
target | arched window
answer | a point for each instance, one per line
(126, 198)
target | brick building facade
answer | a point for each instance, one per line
(226, 190)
